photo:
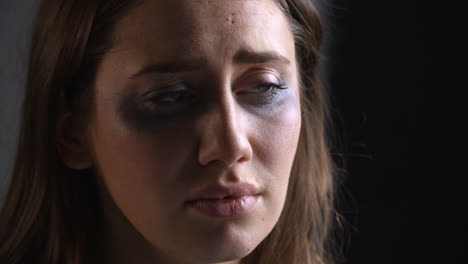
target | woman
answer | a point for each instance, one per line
(171, 132)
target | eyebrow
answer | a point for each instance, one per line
(241, 57)
(246, 56)
(171, 67)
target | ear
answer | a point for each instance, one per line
(72, 145)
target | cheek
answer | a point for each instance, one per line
(278, 136)
(276, 148)
(138, 167)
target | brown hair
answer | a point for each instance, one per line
(51, 212)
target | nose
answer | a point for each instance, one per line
(223, 135)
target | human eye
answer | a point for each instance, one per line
(269, 88)
(266, 92)
(158, 104)
(168, 97)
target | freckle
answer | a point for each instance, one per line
(230, 18)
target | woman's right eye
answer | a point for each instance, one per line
(170, 97)
(157, 105)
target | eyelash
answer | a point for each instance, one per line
(181, 93)
(270, 96)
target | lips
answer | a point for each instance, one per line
(225, 201)
(220, 192)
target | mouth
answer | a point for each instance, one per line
(227, 207)
(225, 201)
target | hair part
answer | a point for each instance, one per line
(50, 214)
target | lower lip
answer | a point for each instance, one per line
(228, 207)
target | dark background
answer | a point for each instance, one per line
(397, 74)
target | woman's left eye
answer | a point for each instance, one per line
(271, 87)
(267, 92)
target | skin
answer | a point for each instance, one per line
(152, 150)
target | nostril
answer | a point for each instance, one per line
(243, 159)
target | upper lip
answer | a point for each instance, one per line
(220, 191)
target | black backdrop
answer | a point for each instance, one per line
(397, 72)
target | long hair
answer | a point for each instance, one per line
(51, 213)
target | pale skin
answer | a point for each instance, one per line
(159, 133)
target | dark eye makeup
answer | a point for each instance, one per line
(162, 105)
(267, 93)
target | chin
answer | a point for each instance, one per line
(226, 245)
(223, 253)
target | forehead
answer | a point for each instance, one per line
(181, 28)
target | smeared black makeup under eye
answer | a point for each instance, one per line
(163, 106)
(267, 93)
(143, 111)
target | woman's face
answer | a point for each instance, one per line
(195, 129)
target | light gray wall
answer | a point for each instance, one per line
(15, 23)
